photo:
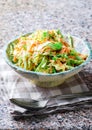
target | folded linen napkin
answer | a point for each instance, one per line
(20, 88)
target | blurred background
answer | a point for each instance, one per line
(22, 16)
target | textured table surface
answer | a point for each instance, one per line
(21, 16)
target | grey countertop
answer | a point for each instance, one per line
(71, 16)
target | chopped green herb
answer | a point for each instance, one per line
(45, 35)
(56, 46)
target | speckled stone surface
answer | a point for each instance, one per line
(22, 16)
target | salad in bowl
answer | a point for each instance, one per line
(47, 57)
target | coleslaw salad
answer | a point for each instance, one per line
(46, 51)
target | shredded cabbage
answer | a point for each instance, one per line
(46, 51)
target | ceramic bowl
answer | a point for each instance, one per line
(52, 80)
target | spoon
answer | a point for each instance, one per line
(32, 104)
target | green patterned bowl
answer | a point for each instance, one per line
(52, 80)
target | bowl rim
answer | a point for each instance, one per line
(41, 73)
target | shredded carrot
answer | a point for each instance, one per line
(47, 51)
